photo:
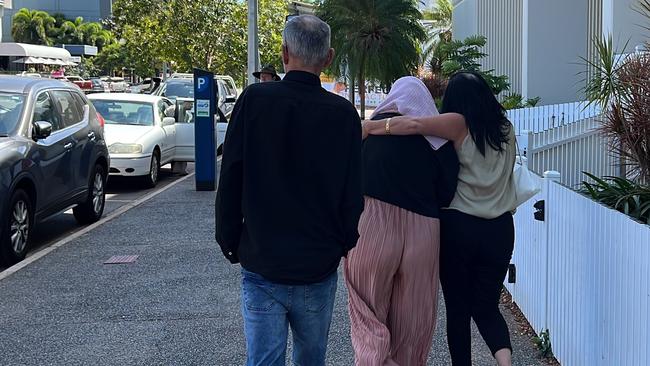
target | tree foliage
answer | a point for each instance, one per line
(374, 40)
(32, 26)
(438, 24)
(620, 84)
(452, 56)
(39, 27)
(209, 34)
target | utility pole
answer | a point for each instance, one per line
(253, 41)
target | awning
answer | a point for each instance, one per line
(28, 60)
(58, 62)
(27, 50)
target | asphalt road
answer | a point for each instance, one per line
(119, 192)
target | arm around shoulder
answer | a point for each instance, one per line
(450, 126)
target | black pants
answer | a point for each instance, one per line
(474, 258)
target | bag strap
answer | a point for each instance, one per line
(524, 163)
(517, 146)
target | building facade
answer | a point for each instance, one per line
(4, 4)
(540, 45)
(90, 10)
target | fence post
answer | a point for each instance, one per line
(550, 177)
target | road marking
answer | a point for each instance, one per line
(42, 253)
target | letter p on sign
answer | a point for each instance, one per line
(203, 83)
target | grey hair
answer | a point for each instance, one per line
(307, 38)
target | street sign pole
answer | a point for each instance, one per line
(205, 104)
(253, 41)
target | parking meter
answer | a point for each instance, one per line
(205, 105)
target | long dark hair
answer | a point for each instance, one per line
(470, 95)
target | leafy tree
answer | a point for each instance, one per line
(375, 40)
(272, 14)
(88, 67)
(452, 56)
(209, 34)
(32, 26)
(140, 34)
(111, 59)
(94, 34)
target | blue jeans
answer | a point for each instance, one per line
(270, 308)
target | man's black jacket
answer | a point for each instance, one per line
(289, 195)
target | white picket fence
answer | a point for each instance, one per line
(570, 149)
(583, 274)
(543, 118)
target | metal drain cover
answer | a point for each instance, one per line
(122, 259)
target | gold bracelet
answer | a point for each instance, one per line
(388, 126)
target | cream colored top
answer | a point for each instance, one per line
(485, 183)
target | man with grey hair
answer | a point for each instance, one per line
(289, 199)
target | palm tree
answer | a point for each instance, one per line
(94, 35)
(71, 31)
(438, 24)
(374, 39)
(32, 26)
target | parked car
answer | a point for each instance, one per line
(143, 134)
(147, 86)
(184, 88)
(52, 156)
(65, 80)
(85, 85)
(227, 84)
(29, 74)
(176, 88)
(116, 84)
(182, 75)
(184, 114)
(99, 86)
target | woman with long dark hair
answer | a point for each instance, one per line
(477, 230)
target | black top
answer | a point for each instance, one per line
(405, 171)
(289, 196)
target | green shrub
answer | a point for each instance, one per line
(516, 101)
(621, 194)
(543, 343)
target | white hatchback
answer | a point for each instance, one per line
(142, 134)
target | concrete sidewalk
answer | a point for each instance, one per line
(177, 305)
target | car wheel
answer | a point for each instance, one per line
(93, 209)
(16, 228)
(154, 170)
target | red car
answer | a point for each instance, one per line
(85, 85)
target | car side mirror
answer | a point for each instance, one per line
(231, 100)
(168, 121)
(42, 130)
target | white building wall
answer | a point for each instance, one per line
(594, 31)
(624, 23)
(539, 43)
(556, 34)
(465, 19)
(501, 22)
